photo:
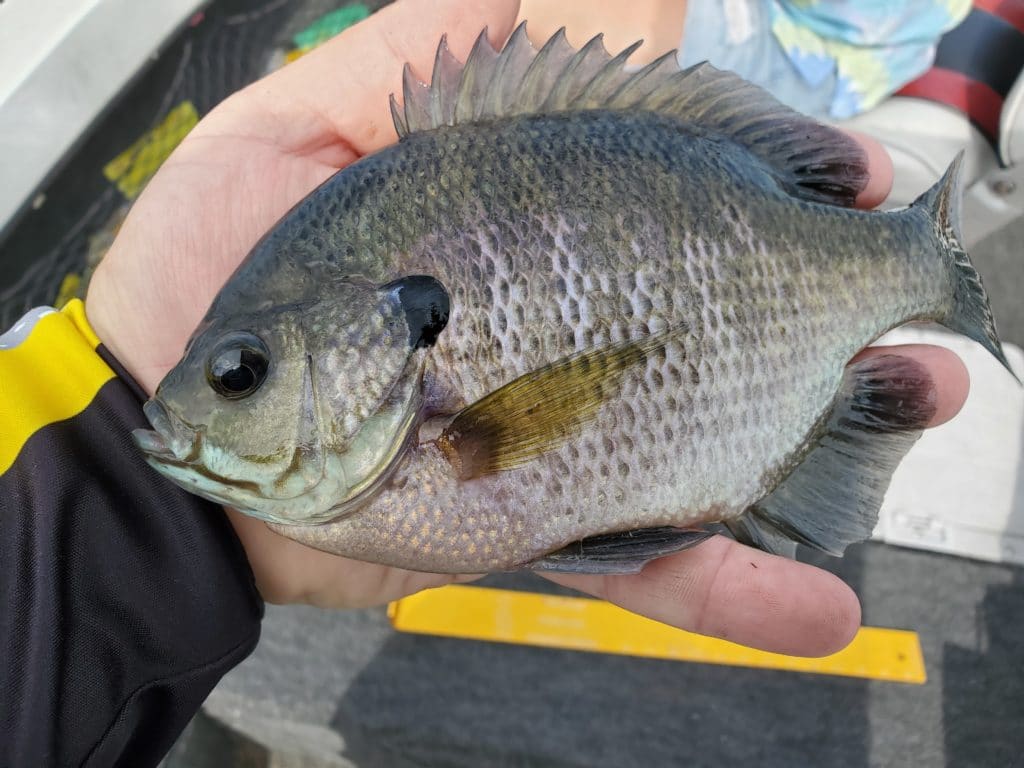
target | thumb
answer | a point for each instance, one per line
(346, 82)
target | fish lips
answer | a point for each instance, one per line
(169, 441)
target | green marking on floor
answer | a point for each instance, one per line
(326, 27)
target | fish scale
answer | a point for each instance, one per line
(580, 325)
(727, 431)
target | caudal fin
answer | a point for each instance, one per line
(971, 314)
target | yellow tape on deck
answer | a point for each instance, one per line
(131, 169)
(582, 624)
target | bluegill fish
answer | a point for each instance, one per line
(576, 314)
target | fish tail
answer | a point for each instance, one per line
(970, 313)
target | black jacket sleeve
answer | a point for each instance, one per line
(123, 600)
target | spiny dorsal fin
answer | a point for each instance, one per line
(811, 160)
(540, 411)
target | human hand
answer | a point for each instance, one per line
(235, 174)
(268, 146)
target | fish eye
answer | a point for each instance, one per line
(238, 365)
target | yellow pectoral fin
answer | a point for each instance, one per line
(540, 411)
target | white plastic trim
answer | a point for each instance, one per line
(21, 329)
(61, 63)
(960, 489)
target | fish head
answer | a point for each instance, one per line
(297, 413)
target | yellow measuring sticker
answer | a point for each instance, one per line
(582, 624)
(68, 288)
(131, 169)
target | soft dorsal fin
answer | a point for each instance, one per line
(811, 160)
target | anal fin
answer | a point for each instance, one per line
(619, 553)
(755, 531)
(832, 498)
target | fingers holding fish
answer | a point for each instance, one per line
(947, 371)
(727, 590)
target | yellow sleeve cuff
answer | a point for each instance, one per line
(50, 375)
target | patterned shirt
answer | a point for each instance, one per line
(872, 47)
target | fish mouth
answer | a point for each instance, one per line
(168, 442)
(174, 448)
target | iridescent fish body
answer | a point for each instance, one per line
(573, 316)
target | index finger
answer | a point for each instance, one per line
(724, 589)
(880, 169)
